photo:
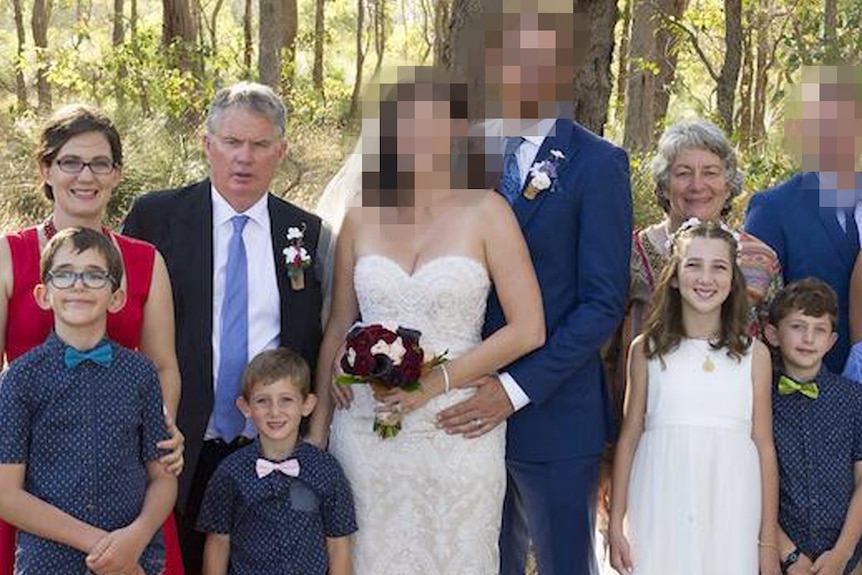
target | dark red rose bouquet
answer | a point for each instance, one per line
(386, 359)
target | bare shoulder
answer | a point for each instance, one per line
(761, 357)
(492, 203)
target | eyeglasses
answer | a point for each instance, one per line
(92, 279)
(74, 165)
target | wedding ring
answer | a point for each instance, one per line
(478, 422)
(396, 407)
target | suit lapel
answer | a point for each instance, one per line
(829, 219)
(192, 234)
(559, 139)
(278, 224)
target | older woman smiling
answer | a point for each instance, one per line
(696, 176)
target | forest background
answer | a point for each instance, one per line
(153, 65)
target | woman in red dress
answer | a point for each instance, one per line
(80, 160)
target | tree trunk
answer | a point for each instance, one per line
(143, 99)
(118, 34)
(652, 69)
(287, 47)
(761, 79)
(730, 69)
(39, 23)
(269, 43)
(460, 48)
(319, 40)
(622, 64)
(360, 59)
(746, 80)
(379, 17)
(179, 34)
(830, 25)
(214, 27)
(20, 82)
(248, 42)
(592, 81)
(668, 52)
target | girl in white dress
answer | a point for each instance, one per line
(695, 482)
(423, 254)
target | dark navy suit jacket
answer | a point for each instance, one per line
(809, 242)
(579, 236)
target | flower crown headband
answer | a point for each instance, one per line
(693, 223)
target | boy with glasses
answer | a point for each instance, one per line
(79, 470)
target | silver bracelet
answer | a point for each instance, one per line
(446, 381)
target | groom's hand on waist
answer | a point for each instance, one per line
(480, 413)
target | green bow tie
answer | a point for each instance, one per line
(786, 386)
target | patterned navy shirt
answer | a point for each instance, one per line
(278, 524)
(818, 441)
(85, 434)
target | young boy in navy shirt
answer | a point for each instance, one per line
(79, 471)
(278, 505)
(817, 425)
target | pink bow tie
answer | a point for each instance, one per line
(264, 467)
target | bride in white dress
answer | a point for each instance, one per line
(423, 254)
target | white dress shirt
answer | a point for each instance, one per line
(264, 302)
(534, 133)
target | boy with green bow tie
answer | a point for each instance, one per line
(79, 470)
(817, 426)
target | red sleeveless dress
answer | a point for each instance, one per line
(27, 325)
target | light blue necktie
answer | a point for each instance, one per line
(233, 340)
(510, 181)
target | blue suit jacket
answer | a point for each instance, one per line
(579, 236)
(809, 242)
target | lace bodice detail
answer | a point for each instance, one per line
(444, 298)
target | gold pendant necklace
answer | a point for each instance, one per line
(707, 365)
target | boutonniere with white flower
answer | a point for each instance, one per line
(296, 257)
(543, 176)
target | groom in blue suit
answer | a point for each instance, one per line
(571, 194)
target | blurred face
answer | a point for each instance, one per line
(697, 186)
(803, 340)
(527, 73)
(830, 133)
(704, 275)
(79, 307)
(276, 410)
(243, 152)
(425, 134)
(79, 193)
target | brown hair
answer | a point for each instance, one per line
(83, 239)
(811, 296)
(71, 121)
(273, 365)
(664, 329)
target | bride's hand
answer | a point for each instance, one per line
(341, 394)
(399, 401)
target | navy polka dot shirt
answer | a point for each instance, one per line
(85, 434)
(818, 441)
(278, 524)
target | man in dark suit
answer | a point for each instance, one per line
(571, 194)
(812, 220)
(224, 242)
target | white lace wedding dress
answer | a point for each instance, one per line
(427, 503)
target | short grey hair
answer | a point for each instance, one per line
(251, 96)
(696, 134)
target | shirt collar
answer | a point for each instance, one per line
(223, 211)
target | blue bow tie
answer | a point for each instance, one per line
(101, 354)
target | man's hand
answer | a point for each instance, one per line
(479, 414)
(174, 460)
